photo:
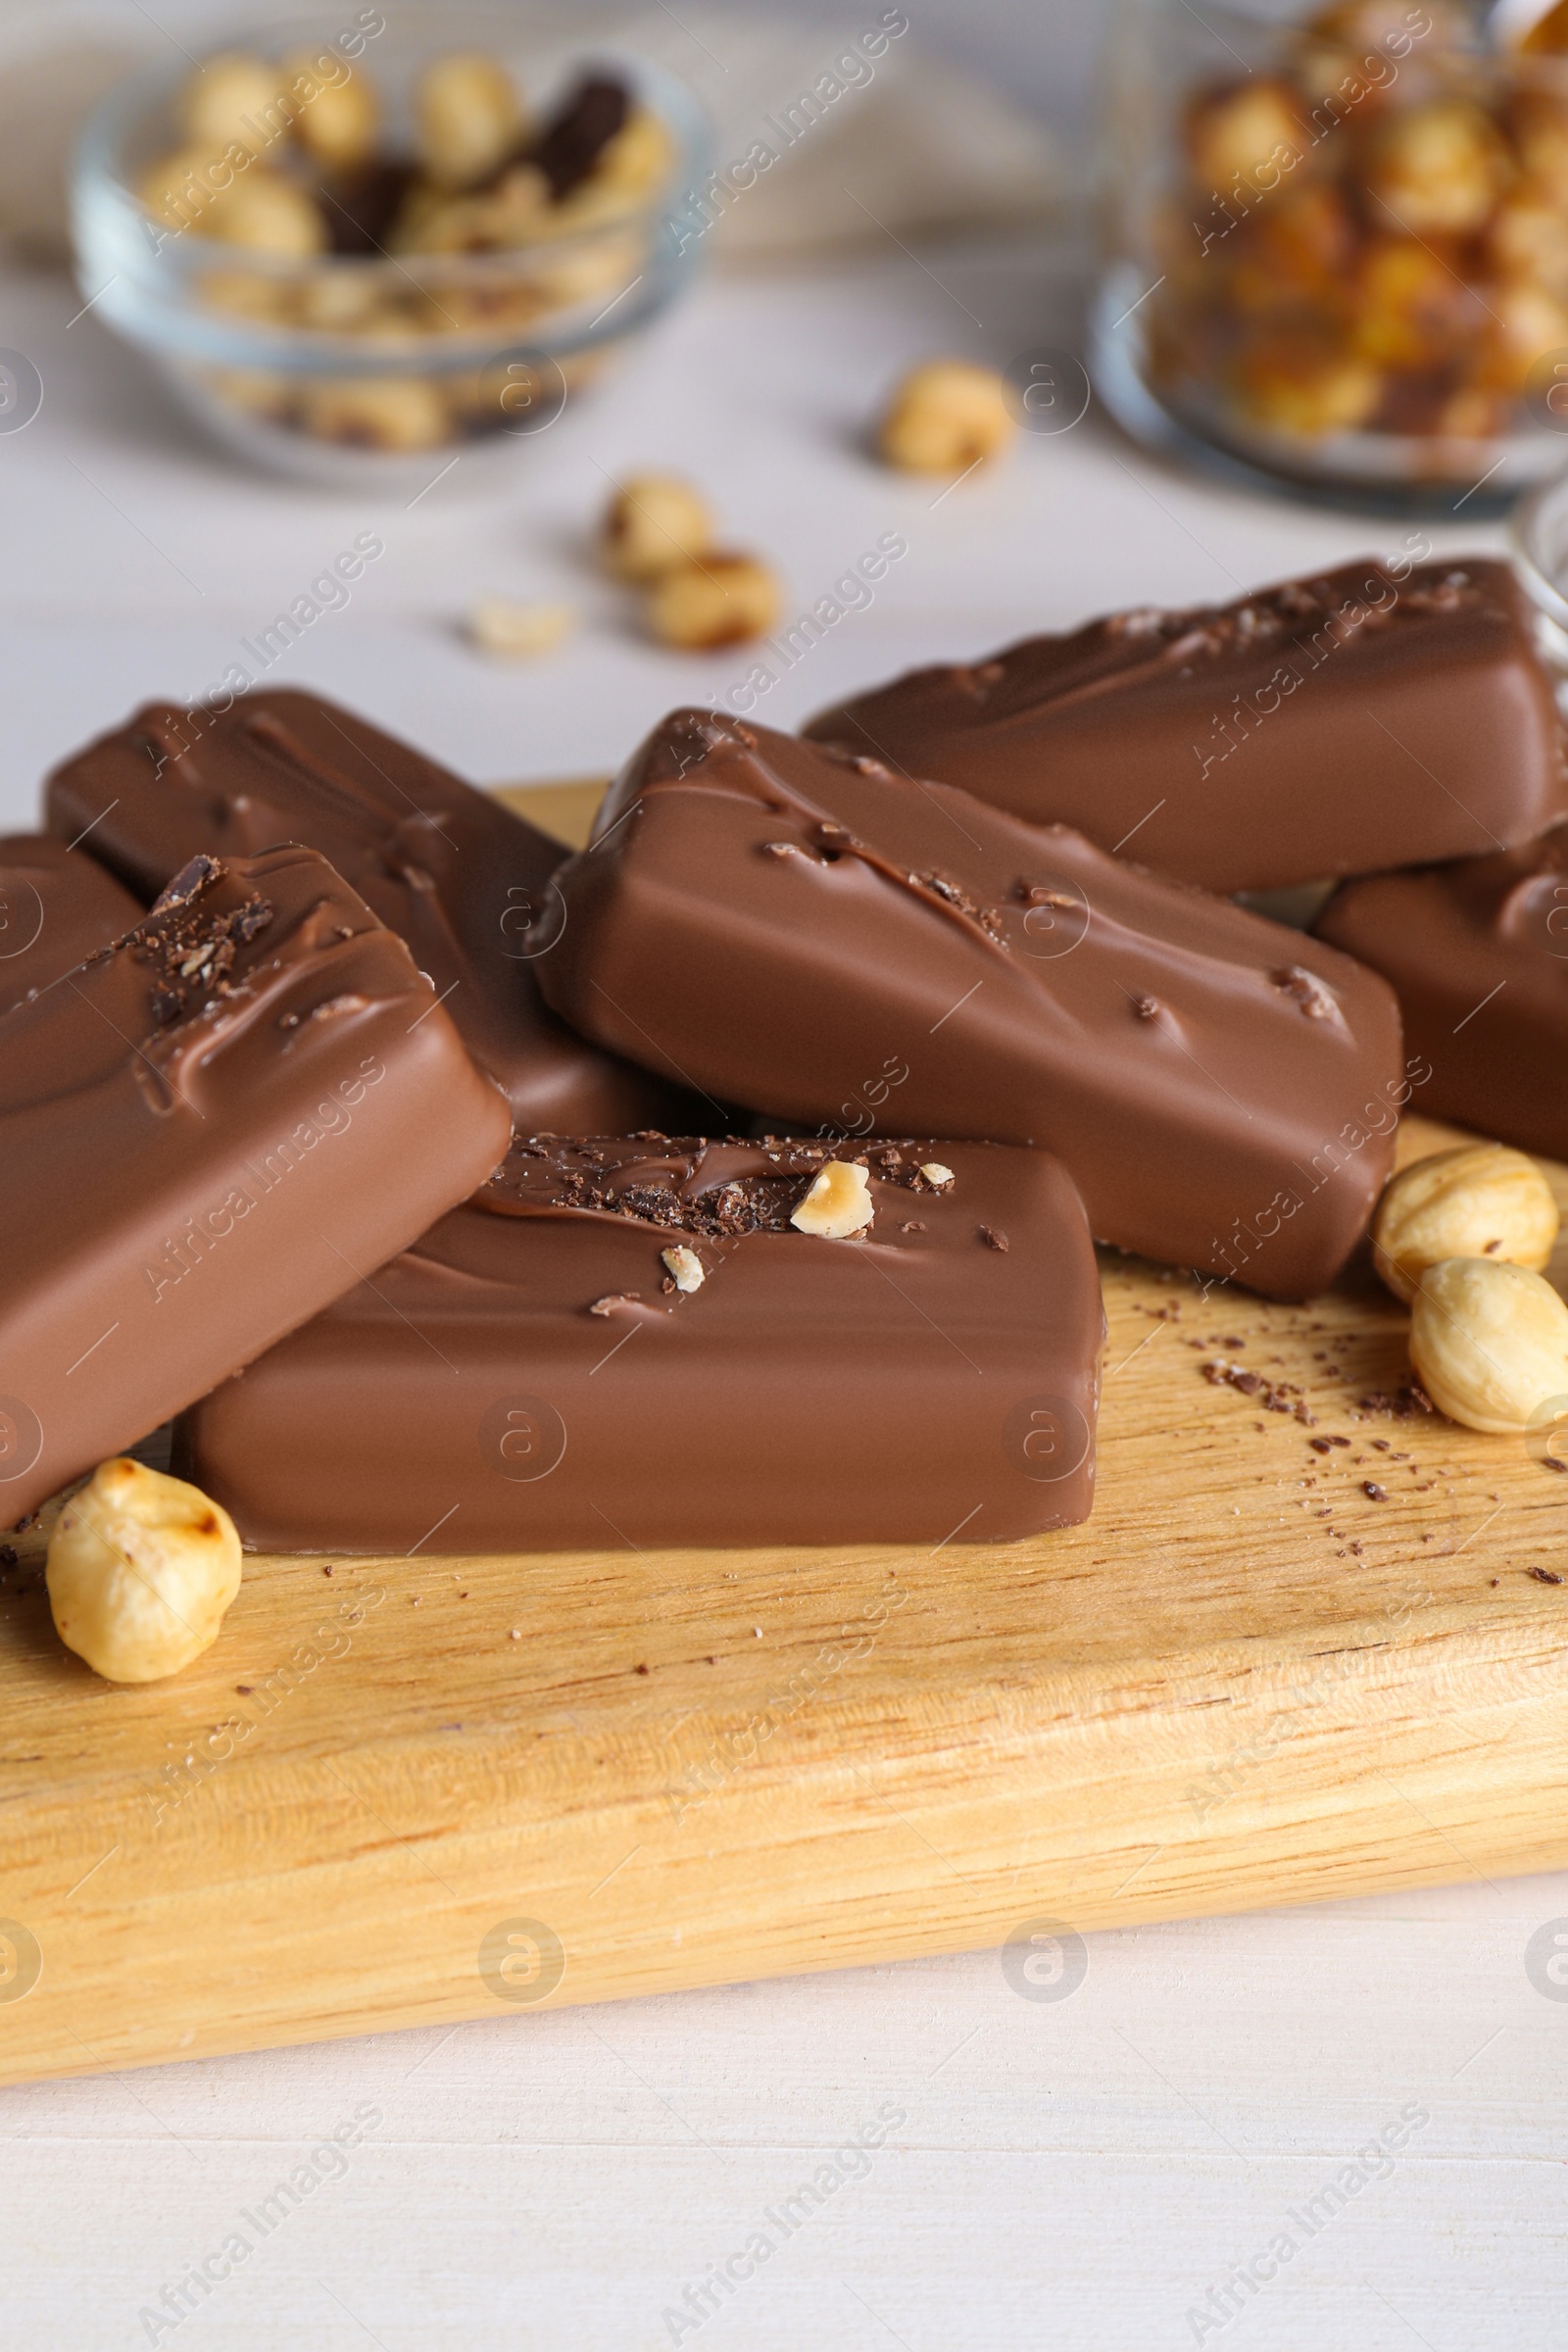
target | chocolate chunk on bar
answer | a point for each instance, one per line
(1334, 725)
(1477, 952)
(55, 907)
(804, 932)
(637, 1343)
(208, 1131)
(456, 874)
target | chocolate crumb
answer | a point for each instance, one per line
(639, 1670)
(1373, 1491)
(1543, 1575)
(9, 1555)
(992, 1239)
(244, 1688)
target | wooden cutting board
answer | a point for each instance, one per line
(401, 1791)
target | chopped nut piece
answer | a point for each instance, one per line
(685, 1268)
(1490, 1342)
(943, 417)
(1481, 1201)
(711, 600)
(992, 1239)
(653, 524)
(520, 632)
(141, 1569)
(839, 1202)
(935, 1174)
(466, 119)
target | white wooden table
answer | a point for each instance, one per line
(1156, 2160)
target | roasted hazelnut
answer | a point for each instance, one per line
(337, 122)
(1307, 384)
(140, 1571)
(654, 522)
(713, 600)
(1437, 169)
(467, 118)
(267, 214)
(233, 100)
(944, 417)
(1481, 1201)
(1253, 133)
(839, 1203)
(1489, 1342)
(392, 412)
(1409, 307)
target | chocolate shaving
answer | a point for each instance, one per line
(1275, 1397)
(1543, 1575)
(992, 1239)
(573, 142)
(1404, 1403)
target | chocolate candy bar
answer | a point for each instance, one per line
(207, 1132)
(632, 1342)
(801, 931)
(56, 905)
(1478, 954)
(456, 874)
(1331, 727)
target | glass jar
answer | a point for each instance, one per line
(1338, 243)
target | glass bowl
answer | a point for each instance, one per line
(1337, 246)
(354, 367)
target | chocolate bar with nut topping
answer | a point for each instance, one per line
(1332, 726)
(1477, 952)
(455, 873)
(208, 1131)
(801, 930)
(633, 1343)
(55, 907)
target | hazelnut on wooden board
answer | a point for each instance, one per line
(467, 117)
(839, 1202)
(339, 122)
(1489, 1342)
(654, 522)
(140, 1572)
(943, 417)
(1481, 1201)
(713, 600)
(228, 100)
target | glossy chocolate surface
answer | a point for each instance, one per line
(447, 867)
(528, 1377)
(1332, 725)
(207, 1132)
(1477, 952)
(837, 946)
(55, 907)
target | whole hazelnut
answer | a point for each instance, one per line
(467, 117)
(232, 99)
(267, 214)
(943, 417)
(713, 600)
(654, 522)
(1481, 1201)
(389, 412)
(140, 1571)
(337, 121)
(1490, 1344)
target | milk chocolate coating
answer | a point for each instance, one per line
(207, 1132)
(809, 934)
(528, 1377)
(1478, 954)
(452, 871)
(55, 907)
(1334, 725)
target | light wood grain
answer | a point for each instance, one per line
(1244, 1682)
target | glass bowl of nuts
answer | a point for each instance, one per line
(1338, 243)
(422, 232)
